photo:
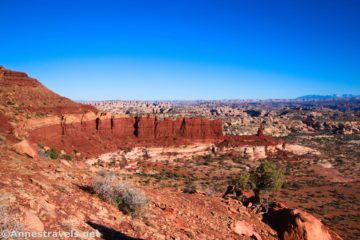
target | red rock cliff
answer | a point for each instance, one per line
(106, 133)
(47, 118)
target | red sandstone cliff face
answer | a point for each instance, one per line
(106, 133)
(188, 128)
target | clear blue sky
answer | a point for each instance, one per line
(184, 49)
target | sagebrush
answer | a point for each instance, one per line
(125, 197)
(8, 221)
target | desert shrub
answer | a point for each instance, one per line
(8, 221)
(268, 177)
(103, 188)
(169, 174)
(107, 174)
(66, 157)
(189, 187)
(242, 181)
(163, 175)
(53, 153)
(207, 159)
(126, 198)
(265, 180)
(129, 200)
(239, 160)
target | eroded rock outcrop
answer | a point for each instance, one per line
(98, 133)
(295, 224)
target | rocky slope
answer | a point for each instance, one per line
(53, 193)
(25, 95)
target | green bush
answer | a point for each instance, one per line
(207, 157)
(268, 177)
(189, 187)
(53, 153)
(66, 157)
(242, 181)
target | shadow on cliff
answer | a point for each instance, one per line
(109, 233)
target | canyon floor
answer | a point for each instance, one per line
(327, 185)
(324, 184)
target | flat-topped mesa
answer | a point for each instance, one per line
(94, 134)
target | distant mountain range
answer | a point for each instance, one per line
(333, 96)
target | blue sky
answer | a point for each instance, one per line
(94, 50)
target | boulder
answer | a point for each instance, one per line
(27, 149)
(295, 224)
(31, 222)
(243, 228)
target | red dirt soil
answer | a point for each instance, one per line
(6, 129)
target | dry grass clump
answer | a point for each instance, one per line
(8, 222)
(125, 197)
